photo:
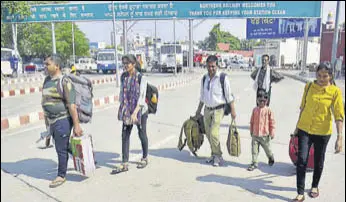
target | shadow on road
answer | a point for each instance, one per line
(184, 156)
(45, 169)
(106, 159)
(279, 169)
(260, 186)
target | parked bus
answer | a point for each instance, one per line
(167, 61)
(105, 61)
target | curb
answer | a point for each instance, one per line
(298, 78)
(25, 91)
(22, 80)
(22, 120)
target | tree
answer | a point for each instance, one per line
(217, 36)
(35, 39)
(10, 8)
(109, 47)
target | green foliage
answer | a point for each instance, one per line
(217, 36)
(10, 8)
(35, 39)
(14, 7)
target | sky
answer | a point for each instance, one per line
(100, 31)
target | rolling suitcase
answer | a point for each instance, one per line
(293, 152)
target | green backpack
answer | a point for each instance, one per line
(194, 134)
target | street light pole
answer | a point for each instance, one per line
(53, 38)
(190, 55)
(335, 37)
(125, 36)
(305, 47)
(73, 48)
(115, 48)
(175, 49)
(155, 44)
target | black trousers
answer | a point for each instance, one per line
(305, 141)
(142, 133)
(269, 95)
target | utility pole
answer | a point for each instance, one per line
(335, 37)
(305, 48)
(53, 38)
(115, 48)
(73, 48)
(175, 49)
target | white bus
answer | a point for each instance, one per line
(105, 60)
(167, 60)
(6, 69)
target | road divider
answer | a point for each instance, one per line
(22, 120)
(25, 91)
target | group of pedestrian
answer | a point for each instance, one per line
(320, 100)
(314, 127)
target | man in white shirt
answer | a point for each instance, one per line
(215, 100)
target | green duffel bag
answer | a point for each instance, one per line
(233, 140)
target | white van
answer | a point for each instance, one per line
(86, 64)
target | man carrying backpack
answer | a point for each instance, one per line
(218, 100)
(60, 113)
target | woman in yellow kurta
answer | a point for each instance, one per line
(321, 99)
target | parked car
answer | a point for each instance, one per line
(238, 65)
(35, 65)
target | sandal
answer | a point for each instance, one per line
(298, 200)
(57, 182)
(252, 167)
(120, 169)
(314, 194)
(142, 164)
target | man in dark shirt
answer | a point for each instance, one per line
(60, 113)
(261, 80)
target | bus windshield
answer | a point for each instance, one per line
(170, 49)
(105, 56)
(5, 55)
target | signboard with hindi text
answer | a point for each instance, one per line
(275, 28)
(161, 10)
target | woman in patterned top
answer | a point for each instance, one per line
(132, 110)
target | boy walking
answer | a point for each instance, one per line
(262, 126)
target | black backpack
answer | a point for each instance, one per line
(152, 91)
(222, 81)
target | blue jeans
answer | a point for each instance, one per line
(61, 131)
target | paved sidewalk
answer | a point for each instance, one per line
(172, 175)
(311, 77)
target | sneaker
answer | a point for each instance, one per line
(252, 167)
(222, 162)
(218, 161)
(210, 159)
(271, 161)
